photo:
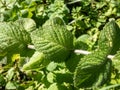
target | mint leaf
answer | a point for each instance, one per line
(12, 37)
(10, 74)
(37, 61)
(109, 37)
(51, 66)
(28, 24)
(82, 42)
(11, 85)
(116, 61)
(72, 62)
(53, 40)
(92, 71)
(50, 77)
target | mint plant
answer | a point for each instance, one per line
(54, 48)
(59, 44)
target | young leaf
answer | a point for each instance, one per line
(38, 60)
(53, 40)
(51, 66)
(109, 37)
(12, 37)
(93, 70)
(28, 24)
(116, 61)
(50, 77)
(10, 74)
(82, 42)
(11, 85)
(56, 86)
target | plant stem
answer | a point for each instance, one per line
(31, 47)
(82, 52)
(77, 52)
(87, 52)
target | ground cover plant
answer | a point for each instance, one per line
(59, 45)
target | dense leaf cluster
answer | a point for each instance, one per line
(56, 28)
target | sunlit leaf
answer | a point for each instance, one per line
(12, 37)
(54, 40)
(37, 61)
(93, 70)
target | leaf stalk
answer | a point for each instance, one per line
(83, 52)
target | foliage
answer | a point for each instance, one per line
(55, 41)
(56, 28)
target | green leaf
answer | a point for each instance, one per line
(37, 61)
(30, 88)
(110, 87)
(12, 37)
(93, 70)
(28, 24)
(64, 77)
(116, 61)
(56, 86)
(72, 62)
(58, 8)
(109, 37)
(2, 80)
(50, 77)
(54, 40)
(10, 74)
(10, 3)
(82, 42)
(11, 85)
(51, 66)
(38, 76)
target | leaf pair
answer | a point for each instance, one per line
(95, 69)
(53, 41)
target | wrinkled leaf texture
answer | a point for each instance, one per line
(12, 37)
(116, 61)
(28, 24)
(92, 71)
(53, 39)
(95, 69)
(110, 37)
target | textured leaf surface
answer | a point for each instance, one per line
(38, 60)
(28, 24)
(82, 42)
(116, 61)
(109, 37)
(53, 40)
(93, 70)
(72, 62)
(12, 37)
